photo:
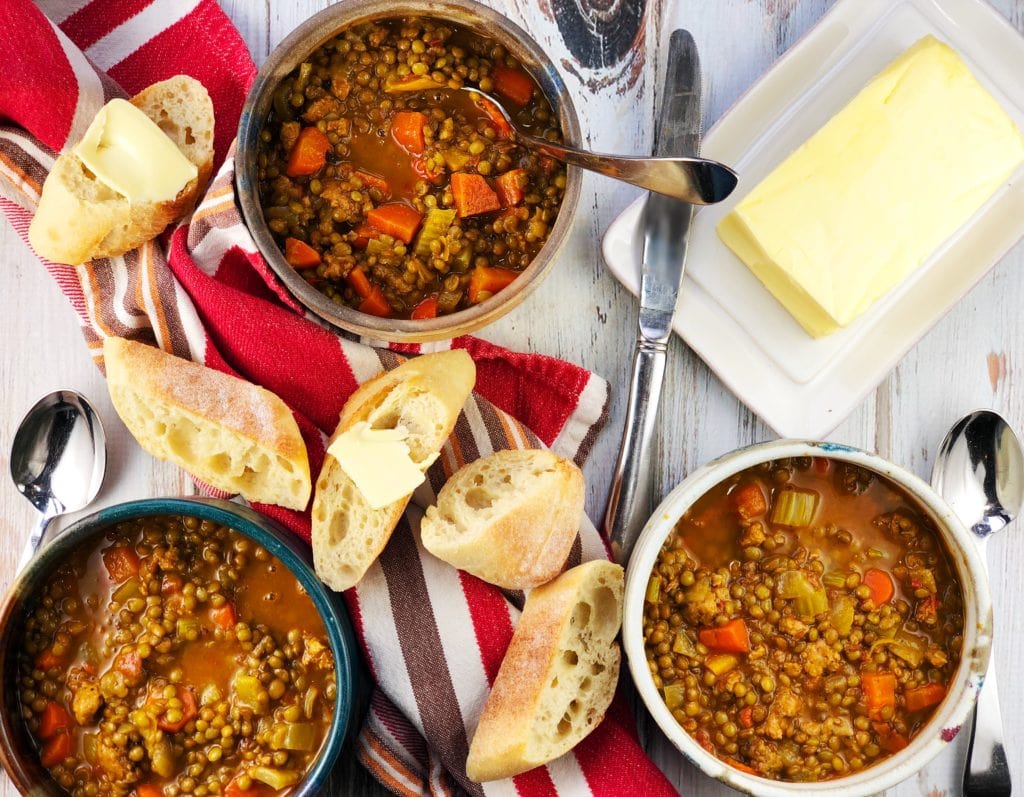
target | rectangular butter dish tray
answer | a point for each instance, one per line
(801, 386)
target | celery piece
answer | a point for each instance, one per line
(435, 225)
(409, 83)
(907, 648)
(683, 644)
(211, 694)
(675, 695)
(293, 736)
(808, 600)
(374, 246)
(721, 663)
(129, 589)
(456, 160)
(841, 615)
(794, 508)
(834, 580)
(653, 590)
(247, 691)
(89, 747)
(274, 778)
(187, 624)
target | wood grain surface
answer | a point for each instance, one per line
(610, 53)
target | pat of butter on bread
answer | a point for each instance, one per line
(127, 179)
(870, 196)
(379, 462)
(127, 151)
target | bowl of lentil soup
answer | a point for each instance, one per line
(173, 646)
(387, 201)
(806, 617)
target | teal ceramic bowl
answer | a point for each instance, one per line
(16, 751)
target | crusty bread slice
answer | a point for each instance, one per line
(425, 395)
(558, 676)
(233, 435)
(509, 518)
(80, 219)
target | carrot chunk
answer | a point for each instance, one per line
(512, 84)
(54, 719)
(494, 116)
(740, 766)
(148, 790)
(746, 716)
(299, 254)
(189, 710)
(922, 697)
(359, 281)
(511, 187)
(880, 584)
(473, 195)
(364, 232)
(47, 660)
(888, 739)
(376, 304)
(224, 615)
(407, 130)
(397, 220)
(729, 638)
(485, 281)
(257, 789)
(748, 501)
(121, 562)
(425, 309)
(129, 664)
(56, 749)
(371, 180)
(879, 692)
(308, 154)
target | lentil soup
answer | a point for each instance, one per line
(391, 191)
(172, 656)
(803, 621)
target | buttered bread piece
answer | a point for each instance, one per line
(870, 196)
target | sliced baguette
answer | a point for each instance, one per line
(558, 676)
(425, 395)
(509, 518)
(79, 218)
(233, 435)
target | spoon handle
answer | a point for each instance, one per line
(696, 181)
(987, 773)
(36, 537)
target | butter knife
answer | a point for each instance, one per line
(666, 224)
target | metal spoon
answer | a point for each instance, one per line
(58, 459)
(697, 181)
(979, 471)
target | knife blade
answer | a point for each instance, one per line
(666, 224)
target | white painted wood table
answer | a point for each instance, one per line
(973, 358)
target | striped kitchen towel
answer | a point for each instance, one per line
(433, 637)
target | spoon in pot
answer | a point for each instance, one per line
(698, 181)
(979, 471)
(58, 459)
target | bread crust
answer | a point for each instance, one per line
(509, 518)
(216, 426)
(558, 676)
(79, 219)
(348, 535)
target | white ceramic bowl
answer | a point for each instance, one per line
(966, 562)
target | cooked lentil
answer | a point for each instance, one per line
(802, 621)
(391, 191)
(174, 656)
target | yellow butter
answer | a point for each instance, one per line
(378, 462)
(870, 196)
(126, 150)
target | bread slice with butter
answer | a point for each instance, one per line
(871, 195)
(558, 676)
(391, 429)
(509, 518)
(235, 436)
(140, 166)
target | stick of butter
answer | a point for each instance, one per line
(127, 152)
(870, 196)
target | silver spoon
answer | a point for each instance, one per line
(697, 181)
(979, 471)
(58, 459)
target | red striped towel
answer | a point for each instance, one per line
(433, 637)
